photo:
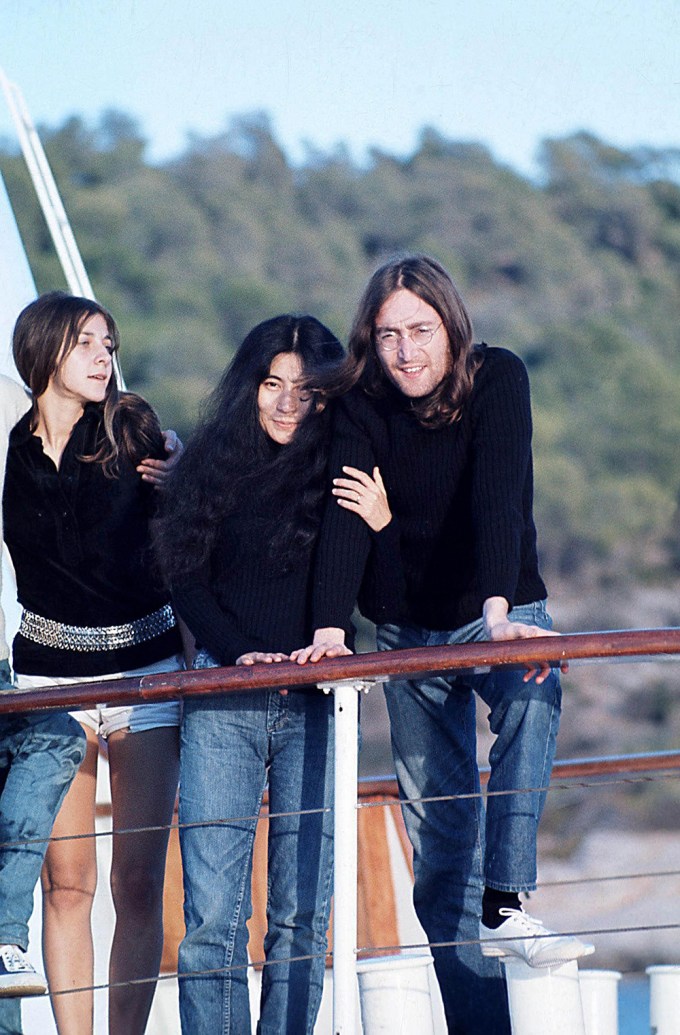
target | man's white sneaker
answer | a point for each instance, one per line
(530, 941)
(17, 975)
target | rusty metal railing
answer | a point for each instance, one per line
(344, 676)
(380, 666)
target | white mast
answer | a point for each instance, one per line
(48, 195)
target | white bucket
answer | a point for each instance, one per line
(600, 1001)
(544, 999)
(664, 1000)
(395, 995)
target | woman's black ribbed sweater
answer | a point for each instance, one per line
(245, 600)
(462, 496)
(79, 541)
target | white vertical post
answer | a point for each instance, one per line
(544, 999)
(346, 699)
(600, 1001)
(345, 849)
(664, 996)
(395, 994)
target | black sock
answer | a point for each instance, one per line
(493, 901)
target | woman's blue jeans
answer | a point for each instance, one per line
(433, 730)
(231, 746)
(39, 756)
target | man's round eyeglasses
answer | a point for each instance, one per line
(421, 337)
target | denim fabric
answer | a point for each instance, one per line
(105, 719)
(39, 756)
(433, 729)
(229, 746)
(10, 1016)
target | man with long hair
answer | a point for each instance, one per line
(448, 423)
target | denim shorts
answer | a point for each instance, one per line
(105, 719)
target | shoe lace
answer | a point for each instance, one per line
(530, 924)
(15, 959)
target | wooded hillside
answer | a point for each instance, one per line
(579, 273)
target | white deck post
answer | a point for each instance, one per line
(544, 999)
(345, 996)
(664, 987)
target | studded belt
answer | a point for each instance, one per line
(49, 633)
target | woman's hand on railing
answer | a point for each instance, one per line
(261, 657)
(327, 643)
(364, 495)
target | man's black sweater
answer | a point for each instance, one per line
(462, 496)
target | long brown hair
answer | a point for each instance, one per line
(429, 281)
(45, 333)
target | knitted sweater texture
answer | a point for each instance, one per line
(80, 546)
(244, 600)
(462, 496)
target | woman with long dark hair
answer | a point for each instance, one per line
(237, 540)
(77, 517)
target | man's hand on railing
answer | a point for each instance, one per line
(497, 626)
(327, 643)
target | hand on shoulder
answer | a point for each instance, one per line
(157, 472)
(364, 495)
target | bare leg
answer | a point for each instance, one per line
(69, 879)
(144, 772)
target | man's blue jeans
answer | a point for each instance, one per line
(230, 745)
(433, 729)
(39, 756)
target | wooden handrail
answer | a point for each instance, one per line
(420, 661)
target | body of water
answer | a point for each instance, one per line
(634, 1005)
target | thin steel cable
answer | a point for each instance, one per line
(383, 803)
(609, 876)
(390, 803)
(588, 932)
(216, 971)
(218, 822)
(541, 884)
(599, 782)
(373, 949)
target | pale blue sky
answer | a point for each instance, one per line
(363, 72)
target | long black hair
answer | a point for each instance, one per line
(230, 460)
